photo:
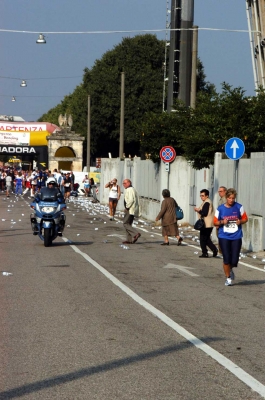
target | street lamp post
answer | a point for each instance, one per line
(88, 136)
(121, 152)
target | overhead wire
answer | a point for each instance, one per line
(127, 31)
(35, 79)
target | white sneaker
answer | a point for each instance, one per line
(228, 282)
(232, 275)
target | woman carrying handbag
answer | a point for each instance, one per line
(168, 217)
(206, 212)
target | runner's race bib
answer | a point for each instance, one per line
(231, 227)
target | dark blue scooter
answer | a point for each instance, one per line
(48, 219)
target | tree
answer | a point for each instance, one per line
(201, 84)
(255, 132)
(198, 134)
(141, 58)
(163, 129)
(147, 129)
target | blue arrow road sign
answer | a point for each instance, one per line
(234, 148)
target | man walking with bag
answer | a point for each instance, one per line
(206, 212)
(131, 204)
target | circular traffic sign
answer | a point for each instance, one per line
(167, 154)
(234, 148)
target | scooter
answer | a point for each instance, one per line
(48, 219)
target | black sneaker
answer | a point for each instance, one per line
(204, 255)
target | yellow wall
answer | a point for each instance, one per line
(38, 138)
(95, 176)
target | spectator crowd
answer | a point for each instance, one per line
(17, 181)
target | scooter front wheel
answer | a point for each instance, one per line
(47, 237)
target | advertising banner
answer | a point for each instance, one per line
(26, 133)
(17, 139)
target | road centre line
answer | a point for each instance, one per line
(242, 375)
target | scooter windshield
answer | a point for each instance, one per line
(49, 194)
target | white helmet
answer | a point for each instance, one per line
(51, 181)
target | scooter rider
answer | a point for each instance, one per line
(51, 184)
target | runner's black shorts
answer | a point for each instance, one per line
(111, 200)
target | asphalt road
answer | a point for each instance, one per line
(88, 319)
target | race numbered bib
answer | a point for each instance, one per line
(231, 227)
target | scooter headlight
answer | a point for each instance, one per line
(48, 209)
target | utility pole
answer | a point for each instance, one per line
(256, 27)
(88, 136)
(187, 16)
(194, 67)
(174, 54)
(180, 52)
(121, 150)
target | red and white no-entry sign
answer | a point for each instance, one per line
(167, 154)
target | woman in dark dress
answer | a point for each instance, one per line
(168, 217)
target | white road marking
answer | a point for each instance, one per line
(119, 236)
(251, 266)
(239, 262)
(242, 375)
(181, 268)
(198, 248)
(141, 229)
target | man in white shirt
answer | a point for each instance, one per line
(56, 174)
(131, 203)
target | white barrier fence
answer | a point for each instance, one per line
(185, 183)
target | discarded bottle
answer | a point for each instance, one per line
(6, 273)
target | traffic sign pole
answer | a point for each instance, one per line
(167, 154)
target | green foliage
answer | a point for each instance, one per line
(158, 130)
(141, 59)
(198, 134)
(201, 84)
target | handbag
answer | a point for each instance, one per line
(179, 213)
(199, 224)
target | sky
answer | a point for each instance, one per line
(54, 70)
